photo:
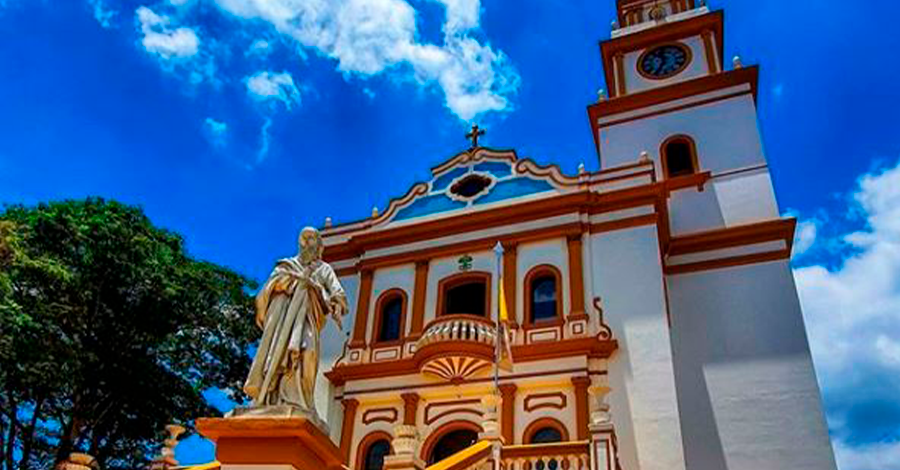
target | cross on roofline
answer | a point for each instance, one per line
(475, 134)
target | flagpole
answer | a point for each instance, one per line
(498, 251)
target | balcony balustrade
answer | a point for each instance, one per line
(455, 347)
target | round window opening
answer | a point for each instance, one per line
(471, 186)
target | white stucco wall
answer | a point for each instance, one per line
(746, 387)
(718, 150)
(627, 274)
(331, 346)
(697, 67)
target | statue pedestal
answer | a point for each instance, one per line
(270, 443)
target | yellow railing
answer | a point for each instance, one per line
(471, 457)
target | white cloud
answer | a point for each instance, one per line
(102, 13)
(216, 131)
(265, 139)
(880, 456)
(370, 37)
(260, 48)
(161, 39)
(852, 312)
(805, 236)
(268, 86)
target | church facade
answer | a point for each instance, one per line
(653, 316)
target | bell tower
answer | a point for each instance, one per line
(733, 314)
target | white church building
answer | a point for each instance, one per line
(654, 319)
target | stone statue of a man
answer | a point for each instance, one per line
(292, 308)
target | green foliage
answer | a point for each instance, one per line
(109, 331)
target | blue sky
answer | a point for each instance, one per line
(234, 126)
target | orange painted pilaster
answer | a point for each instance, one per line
(620, 75)
(576, 278)
(418, 312)
(510, 273)
(712, 61)
(362, 309)
(508, 413)
(350, 406)
(582, 413)
(410, 408)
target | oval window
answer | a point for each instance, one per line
(471, 186)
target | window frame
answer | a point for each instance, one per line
(383, 299)
(456, 280)
(664, 158)
(366, 443)
(542, 423)
(534, 273)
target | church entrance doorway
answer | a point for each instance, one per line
(451, 443)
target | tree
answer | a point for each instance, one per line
(108, 331)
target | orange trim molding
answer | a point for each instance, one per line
(576, 278)
(563, 401)
(508, 412)
(582, 413)
(362, 309)
(462, 278)
(368, 419)
(410, 408)
(510, 278)
(542, 423)
(592, 347)
(347, 428)
(419, 295)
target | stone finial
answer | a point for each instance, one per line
(328, 222)
(166, 458)
(600, 409)
(614, 25)
(737, 62)
(581, 169)
(644, 157)
(601, 95)
(375, 212)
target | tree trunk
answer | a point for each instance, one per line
(28, 436)
(67, 440)
(11, 436)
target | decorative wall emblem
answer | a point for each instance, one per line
(465, 263)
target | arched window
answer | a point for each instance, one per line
(546, 436)
(465, 294)
(679, 156)
(390, 316)
(376, 453)
(543, 303)
(545, 431)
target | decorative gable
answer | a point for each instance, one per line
(474, 179)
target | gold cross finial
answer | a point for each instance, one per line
(474, 135)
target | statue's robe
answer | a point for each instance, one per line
(292, 309)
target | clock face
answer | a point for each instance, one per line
(664, 61)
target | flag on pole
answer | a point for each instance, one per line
(503, 357)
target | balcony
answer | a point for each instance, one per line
(455, 347)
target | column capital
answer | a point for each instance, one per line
(507, 389)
